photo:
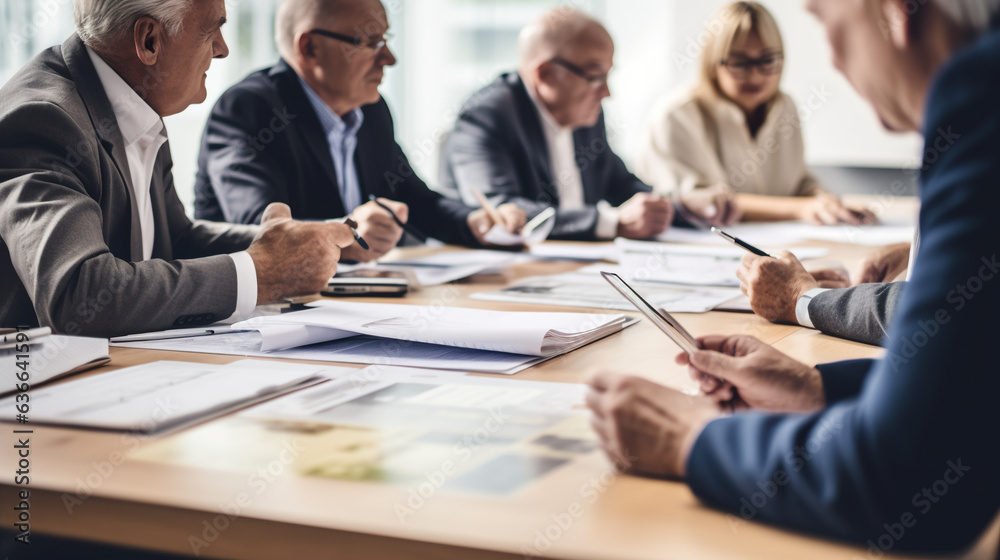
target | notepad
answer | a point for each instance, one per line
(526, 333)
(52, 357)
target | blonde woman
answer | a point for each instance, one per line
(732, 146)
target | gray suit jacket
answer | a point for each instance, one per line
(70, 240)
(862, 313)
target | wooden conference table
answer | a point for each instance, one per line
(161, 507)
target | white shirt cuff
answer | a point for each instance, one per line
(802, 307)
(246, 285)
(607, 221)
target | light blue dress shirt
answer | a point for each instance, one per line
(342, 138)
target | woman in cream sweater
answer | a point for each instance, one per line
(732, 147)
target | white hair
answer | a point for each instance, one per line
(100, 22)
(974, 14)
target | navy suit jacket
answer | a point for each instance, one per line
(906, 454)
(498, 147)
(264, 143)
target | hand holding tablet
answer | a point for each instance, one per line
(663, 320)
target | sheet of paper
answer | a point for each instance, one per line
(586, 288)
(774, 235)
(356, 350)
(739, 304)
(448, 390)
(458, 258)
(782, 234)
(498, 235)
(493, 438)
(689, 264)
(576, 251)
(162, 395)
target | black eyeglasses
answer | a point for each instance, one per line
(743, 67)
(595, 80)
(373, 43)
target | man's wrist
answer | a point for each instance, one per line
(802, 307)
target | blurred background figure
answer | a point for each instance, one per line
(732, 146)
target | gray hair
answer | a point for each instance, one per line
(974, 14)
(100, 22)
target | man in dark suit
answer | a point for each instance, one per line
(537, 138)
(314, 133)
(894, 454)
(94, 239)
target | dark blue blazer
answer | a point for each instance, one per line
(264, 143)
(499, 148)
(907, 455)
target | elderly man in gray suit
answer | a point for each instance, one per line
(782, 291)
(94, 238)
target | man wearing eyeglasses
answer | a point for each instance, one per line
(537, 138)
(314, 133)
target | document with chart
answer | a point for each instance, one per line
(384, 425)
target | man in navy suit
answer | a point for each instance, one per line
(894, 454)
(314, 133)
(537, 138)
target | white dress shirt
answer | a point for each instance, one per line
(566, 172)
(144, 134)
(692, 142)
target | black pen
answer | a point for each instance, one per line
(409, 229)
(357, 236)
(742, 244)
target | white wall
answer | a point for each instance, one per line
(840, 128)
(449, 48)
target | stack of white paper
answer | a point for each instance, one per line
(51, 357)
(530, 334)
(354, 350)
(163, 395)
